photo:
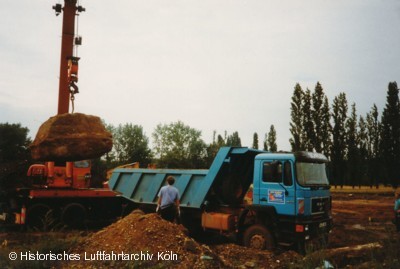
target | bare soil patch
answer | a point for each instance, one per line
(363, 236)
(361, 218)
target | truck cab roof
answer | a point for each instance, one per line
(302, 156)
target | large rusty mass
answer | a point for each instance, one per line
(71, 137)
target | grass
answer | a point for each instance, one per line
(49, 243)
(363, 189)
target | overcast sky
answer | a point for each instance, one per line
(213, 64)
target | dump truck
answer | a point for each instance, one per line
(290, 205)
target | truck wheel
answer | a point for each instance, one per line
(38, 216)
(258, 237)
(74, 215)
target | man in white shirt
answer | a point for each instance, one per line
(168, 201)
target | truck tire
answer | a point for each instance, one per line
(74, 215)
(258, 237)
(38, 216)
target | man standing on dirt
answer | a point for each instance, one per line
(168, 201)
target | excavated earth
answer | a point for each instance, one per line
(361, 221)
(161, 244)
(69, 137)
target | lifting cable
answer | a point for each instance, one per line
(73, 65)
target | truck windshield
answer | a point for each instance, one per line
(311, 174)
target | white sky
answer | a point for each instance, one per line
(213, 64)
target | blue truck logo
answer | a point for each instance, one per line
(276, 196)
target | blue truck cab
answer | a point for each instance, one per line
(290, 205)
(295, 188)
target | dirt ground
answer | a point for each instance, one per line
(359, 219)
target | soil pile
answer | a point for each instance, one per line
(71, 137)
(149, 241)
(158, 243)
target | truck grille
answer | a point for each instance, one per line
(319, 205)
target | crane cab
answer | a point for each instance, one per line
(74, 175)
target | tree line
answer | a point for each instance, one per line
(363, 149)
(175, 145)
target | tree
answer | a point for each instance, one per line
(179, 146)
(339, 137)
(212, 149)
(317, 117)
(14, 142)
(234, 140)
(131, 144)
(265, 142)
(308, 136)
(326, 129)
(14, 153)
(363, 165)
(390, 136)
(373, 140)
(296, 113)
(273, 147)
(255, 141)
(352, 146)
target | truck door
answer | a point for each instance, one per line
(276, 186)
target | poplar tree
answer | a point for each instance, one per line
(234, 140)
(308, 123)
(339, 138)
(352, 146)
(373, 140)
(255, 141)
(390, 136)
(265, 143)
(296, 125)
(273, 147)
(363, 165)
(317, 117)
(326, 129)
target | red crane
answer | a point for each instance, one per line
(69, 61)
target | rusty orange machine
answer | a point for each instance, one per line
(69, 174)
(61, 194)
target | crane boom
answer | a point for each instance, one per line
(70, 136)
(67, 45)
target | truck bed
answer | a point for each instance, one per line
(231, 169)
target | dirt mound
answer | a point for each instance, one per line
(71, 137)
(148, 241)
(151, 242)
